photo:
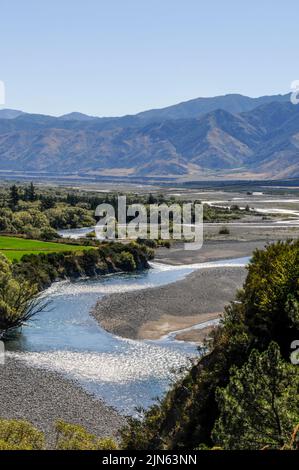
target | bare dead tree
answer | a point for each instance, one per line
(26, 309)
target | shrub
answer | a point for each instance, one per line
(20, 435)
(224, 231)
(125, 261)
(147, 242)
(165, 243)
(48, 234)
(74, 437)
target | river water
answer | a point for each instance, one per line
(125, 373)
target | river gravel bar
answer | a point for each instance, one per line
(43, 397)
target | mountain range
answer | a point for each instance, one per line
(231, 136)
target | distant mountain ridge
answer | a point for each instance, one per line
(233, 103)
(75, 116)
(9, 113)
(230, 135)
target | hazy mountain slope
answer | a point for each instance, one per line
(278, 153)
(9, 113)
(264, 140)
(232, 103)
(217, 140)
(76, 117)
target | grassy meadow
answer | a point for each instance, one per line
(14, 248)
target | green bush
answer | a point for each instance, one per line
(75, 437)
(126, 261)
(260, 406)
(271, 295)
(20, 435)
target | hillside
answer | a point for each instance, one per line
(182, 140)
(233, 103)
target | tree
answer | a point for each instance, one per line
(30, 193)
(152, 199)
(260, 406)
(75, 437)
(14, 196)
(47, 202)
(18, 301)
(20, 435)
(48, 233)
(271, 296)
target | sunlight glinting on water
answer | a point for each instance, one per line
(125, 373)
(76, 289)
(140, 361)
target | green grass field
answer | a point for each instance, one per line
(14, 248)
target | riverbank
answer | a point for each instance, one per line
(180, 327)
(212, 250)
(155, 312)
(45, 268)
(152, 313)
(42, 397)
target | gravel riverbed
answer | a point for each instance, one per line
(42, 397)
(207, 290)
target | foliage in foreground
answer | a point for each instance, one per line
(74, 437)
(21, 435)
(260, 407)
(266, 310)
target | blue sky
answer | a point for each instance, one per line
(119, 57)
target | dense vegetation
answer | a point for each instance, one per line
(244, 392)
(24, 210)
(260, 405)
(38, 212)
(45, 268)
